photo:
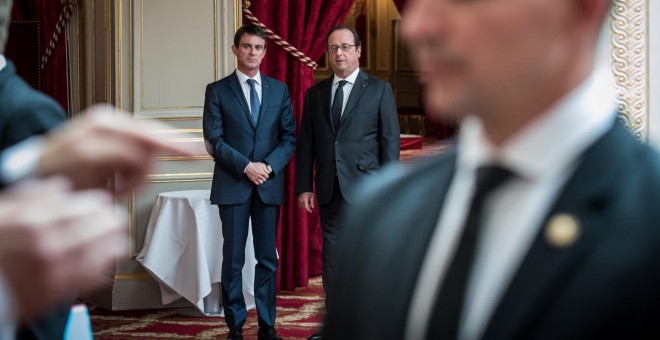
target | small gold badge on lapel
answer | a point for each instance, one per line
(562, 230)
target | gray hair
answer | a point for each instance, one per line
(5, 16)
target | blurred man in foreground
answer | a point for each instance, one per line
(541, 224)
(59, 236)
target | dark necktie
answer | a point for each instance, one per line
(337, 104)
(254, 101)
(443, 323)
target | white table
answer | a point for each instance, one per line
(183, 250)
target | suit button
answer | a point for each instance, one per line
(336, 142)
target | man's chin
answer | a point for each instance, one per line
(441, 103)
(441, 114)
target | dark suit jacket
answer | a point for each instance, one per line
(605, 285)
(235, 140)
(367, 138)
(25, 112)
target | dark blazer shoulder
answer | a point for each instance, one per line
(25, 111)
(224, 80)
(394, 178)
(612, 195)
(272, 81)
(371, 78)
(380, 228)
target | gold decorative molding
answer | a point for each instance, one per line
(629, 51)
(120, 56)
(190, 174)
(183, 158)
(136, 276)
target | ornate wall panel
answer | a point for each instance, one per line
(629, 60)
(653, 20)
(166, 52)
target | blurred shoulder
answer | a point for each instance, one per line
(396, 180)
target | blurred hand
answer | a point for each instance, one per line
(257, 172)
(104, 142)
(306, 201)
(55, 243)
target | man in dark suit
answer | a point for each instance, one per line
(349, 129)
(565, 247)
(39, 273)
(25, 113)
(250, 130)
(49, 249)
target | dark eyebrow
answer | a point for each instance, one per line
(250, 45)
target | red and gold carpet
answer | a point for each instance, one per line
(299, 314)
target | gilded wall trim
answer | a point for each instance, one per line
(629, 51)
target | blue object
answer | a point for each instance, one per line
(79, 326)
(255, 106)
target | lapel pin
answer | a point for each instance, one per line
(562, 230)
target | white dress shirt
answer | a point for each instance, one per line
(242, 79)
(350, 81)
(542, 156)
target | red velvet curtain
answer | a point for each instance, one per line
(304, 24)
(47, 12)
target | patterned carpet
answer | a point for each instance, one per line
(299, 314)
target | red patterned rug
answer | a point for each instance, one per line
(299, 314)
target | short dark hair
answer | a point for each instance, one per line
(250, 29)
(356, 36)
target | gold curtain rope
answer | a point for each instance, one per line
(61, 22)
(277, 39)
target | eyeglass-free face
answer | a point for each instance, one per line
(249, 53)
(343, 54)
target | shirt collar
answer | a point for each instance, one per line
(242, 77)
(552, 143)
(351, 79)
(3, 62)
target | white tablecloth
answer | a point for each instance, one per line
(183, 249)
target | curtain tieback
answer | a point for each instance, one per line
(61, 21)
(278, 40)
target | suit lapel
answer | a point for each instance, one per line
(238, 92)
(265, 98)
(547, 267)
(361, 83)
(398, 246)
(326, 92)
